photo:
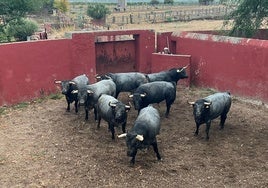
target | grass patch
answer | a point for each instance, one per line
(55, 96)
(21, 105)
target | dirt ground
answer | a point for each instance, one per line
(42, 145)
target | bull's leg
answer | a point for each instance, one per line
(207, 129)
(112, 130)
(99, 120)
(223, 118)
(156, 150)
(68, 106)
(167, 111)
(124, 127)
(197, 129)
(95, 114)
(76, 105)
(132, 161)
(86, 110)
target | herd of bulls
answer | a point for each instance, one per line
(145, 89)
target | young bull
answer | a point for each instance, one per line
(143, 133)
(112, 111)
(68, 86)
(171, 75)
(125, 82)
(209, 108)
(89, 95)
(154, 92)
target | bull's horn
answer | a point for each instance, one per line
(72, 82)
(112, 104)
(57, 81)
(127, 106)
(74, 91)
(130, 96)
(191, 103)
(109, 77)
(186, 66)
(139, 137)
(207, 103)
(143, 95)
(89, 91)
(122, 135)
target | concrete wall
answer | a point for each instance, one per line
(238, 65)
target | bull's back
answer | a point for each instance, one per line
(158, 90)
(149, 117)
(81, 80)
(221, 103)
(104, 109)
(104, 87)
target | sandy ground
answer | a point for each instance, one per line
(42, 145)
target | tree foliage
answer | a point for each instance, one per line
(62, 5)
(97, 11)
(248, 17)
(154, 2)
(168, 1)
(12, 13)
(20, 29)
(205, 2)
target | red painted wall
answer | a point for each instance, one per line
(238, 65)
(28, 69)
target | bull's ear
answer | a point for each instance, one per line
(139, 137)
(122, 135)
(143, 95)
(74, 91)
(130, 96)
(191, 103)
(72, 82)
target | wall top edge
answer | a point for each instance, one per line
(172, 55)
(218, 38)
(108, 32)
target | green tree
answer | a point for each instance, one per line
(247, 18)
(97, 11)
(205, 2)
(154, 2)
(20, 29)
(169, 2)
(11, 12)
(62, 5)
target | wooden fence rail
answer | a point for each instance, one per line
(167, 16)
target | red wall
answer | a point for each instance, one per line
(28, 69)
(238, 65)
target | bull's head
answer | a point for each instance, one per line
(201, 109)
(137, 99)
(119, 111)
